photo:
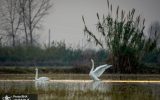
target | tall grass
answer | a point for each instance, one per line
(123, 35)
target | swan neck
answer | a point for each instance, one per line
(36, 77)
(92, 65)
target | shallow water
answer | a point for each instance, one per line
(85, 89)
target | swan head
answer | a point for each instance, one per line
(92, 60)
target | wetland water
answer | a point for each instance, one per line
(85, 89)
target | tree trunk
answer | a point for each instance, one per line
(12, 34)
(30, 23)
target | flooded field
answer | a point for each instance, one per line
(85, 89)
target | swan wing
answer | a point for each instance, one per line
(100, 69)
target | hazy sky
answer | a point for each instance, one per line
(65, 18)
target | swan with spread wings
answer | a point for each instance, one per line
(96, 73)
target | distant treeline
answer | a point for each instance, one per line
(55, 55)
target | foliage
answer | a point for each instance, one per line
(55, 55)
(124, 37)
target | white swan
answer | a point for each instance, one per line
(94, 74)
(40, 79)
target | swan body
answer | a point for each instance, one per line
(40, 79)
(43, 79)
(96, 73)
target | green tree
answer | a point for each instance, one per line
(123, 36)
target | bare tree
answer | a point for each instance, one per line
(22, 16)
(22, 8)
(33, 11)
(10, 18)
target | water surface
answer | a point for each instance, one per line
(85, 89)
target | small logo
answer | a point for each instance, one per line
(18, 97)
(6, 98)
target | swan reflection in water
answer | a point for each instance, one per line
(101, 86)
(96, 84)
(42, 85)
(76, 85)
